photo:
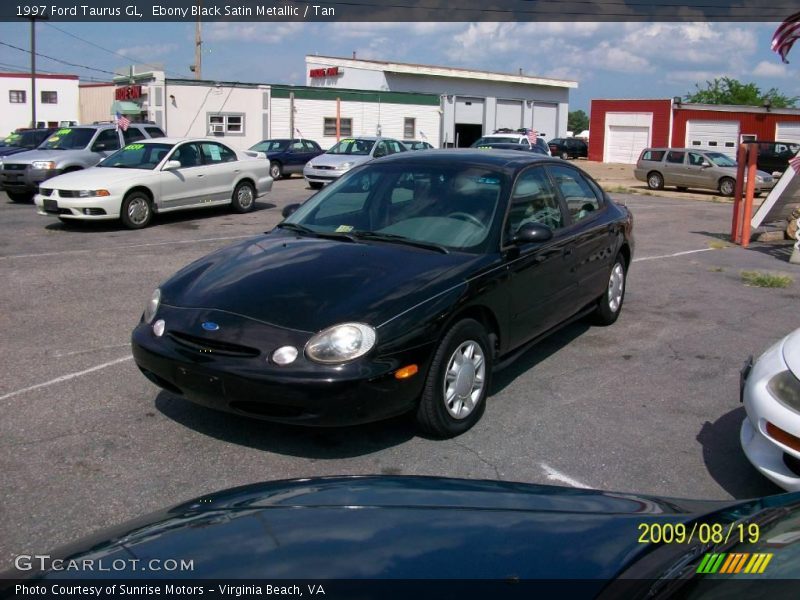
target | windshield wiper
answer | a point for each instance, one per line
(328, 235)
(399, 239)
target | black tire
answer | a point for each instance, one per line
(275, 170)
(565, 155)
(20, 196)
(136, 211)
(315, 185)
(609, 305)
(655, 181)
(433, 414)
(727, 186)
(244, 197)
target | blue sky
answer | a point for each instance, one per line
(609, 60)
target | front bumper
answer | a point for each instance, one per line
(767, 454)
(25, 180)
(322, 175)
(303, 393)
(90, 209)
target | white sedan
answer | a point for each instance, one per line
(770, 434)
(157, 176)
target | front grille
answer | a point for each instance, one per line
(208, 346)
(13, 167)
(68, 194)
(324, 168)
(45, 191)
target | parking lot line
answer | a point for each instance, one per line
(126, 247)
(672, 255)
(65, 377)
(560, 477)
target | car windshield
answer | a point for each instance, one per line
(447, 205)
(495, 139)
(353, 146)
(271, 146)
(69, 139)
(720, 160)
(137, 156)
(24, 139)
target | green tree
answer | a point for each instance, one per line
(577, 121)
(725, 90)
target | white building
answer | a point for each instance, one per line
(56, 100)
(473, 103)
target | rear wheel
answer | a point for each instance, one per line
(609, 305)
(137, 210)
(20, 196)
(458, 380)
(244, 197)
(727, 186)
(565, 155)
(655, 181)
(275, 170)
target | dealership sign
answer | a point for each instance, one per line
(329, 72)
(130, 92)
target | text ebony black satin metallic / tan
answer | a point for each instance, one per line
(396, 288)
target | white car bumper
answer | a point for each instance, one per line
(90, 209)
(323, 174)
(771, 431)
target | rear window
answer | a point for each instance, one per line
(675, 157)
(655, 155)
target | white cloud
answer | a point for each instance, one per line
(770, 69)
(147, 52)
(266, 33)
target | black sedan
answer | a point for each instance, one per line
(567, 148)
(25, 139)
(426, 537)
(398, 287)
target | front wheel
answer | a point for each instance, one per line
(457, 384)
(275, 170)
(565, 155)
(655, 181)
(609, 305)
(20, 196)
(727, 186)
(244, 197)
(315, 185)
(136, 210)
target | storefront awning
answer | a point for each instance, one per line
(125, 108)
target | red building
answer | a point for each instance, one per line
(620, 129)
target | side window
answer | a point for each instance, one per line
(132, 134)
(654, 155)
(311, 146)
(396, 146)
(106, 140)
(154, 132)
(581, 198)
(380, 150)
(675, 157)
(298, 146)
(188, 155)
(695, 159)
(534, 200)
(216, 153)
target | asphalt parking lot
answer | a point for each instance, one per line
(647, 405)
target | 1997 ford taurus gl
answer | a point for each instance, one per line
(396, 288)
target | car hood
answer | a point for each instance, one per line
(9, 150)
(733, 171)
(334, 160)
(308, 283)
(44, 154)
(94, 177)
(393, 527)
(791, 352)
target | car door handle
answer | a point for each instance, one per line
(200, 175)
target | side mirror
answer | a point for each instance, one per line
(533, 233)
(289, 209)
(705, 164)
(171, 165)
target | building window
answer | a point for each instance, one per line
(409, 128)
(49, 97)
(221, 124)
(16, 96)
(345, 127)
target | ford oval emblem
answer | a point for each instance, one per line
(209, 326)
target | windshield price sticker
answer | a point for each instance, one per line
(344, 229)
(63, 132)
(704, 533)
(134, 146)
(54, 138)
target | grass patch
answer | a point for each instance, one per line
(618, 189)
(716, 269)
(765, 280)
(719, 244)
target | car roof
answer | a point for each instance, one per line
(178, 140)
(499, 159)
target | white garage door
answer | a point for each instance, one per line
(469, 110)
(508, 115)
(720, 136)
(624, 143)
(545, 119)
(787, 132)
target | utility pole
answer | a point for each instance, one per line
(198, 45)
(33, 66)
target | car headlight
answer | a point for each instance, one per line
(92, 193)
(151, 308)
(43, 164)
(785, 387)
(341, 343)
(345, 166)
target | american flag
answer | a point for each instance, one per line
(795, 164)
(786, 35)
(532, 135)
(122, 122)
